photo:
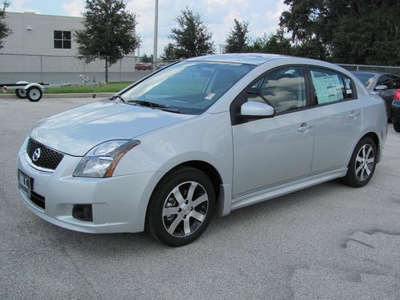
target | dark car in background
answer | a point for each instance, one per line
(396, 111)
(383, 84)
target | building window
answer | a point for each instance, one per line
(62, 39)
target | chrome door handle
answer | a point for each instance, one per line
(304, 127)
(354, 114)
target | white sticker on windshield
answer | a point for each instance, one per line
(210, 96)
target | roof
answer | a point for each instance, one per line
(243, 58)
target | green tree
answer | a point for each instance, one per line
(5, 31)
(237, 40)
(169, 52)
(348, 31)
(191, 37)
(274, 43)
(108, 33)
(146, 59)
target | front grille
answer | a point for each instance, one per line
(45, 157)
(38, 200)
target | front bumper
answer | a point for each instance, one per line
(118, 203)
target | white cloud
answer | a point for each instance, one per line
(22, 6)
(74, 8)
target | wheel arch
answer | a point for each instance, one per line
(209, 170)
(375, 138)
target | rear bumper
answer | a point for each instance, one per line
(396, 111)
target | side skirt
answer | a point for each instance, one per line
(286, 188)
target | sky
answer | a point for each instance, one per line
(218, 15)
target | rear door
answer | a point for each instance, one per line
(338, 119)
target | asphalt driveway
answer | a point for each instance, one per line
(326, 242)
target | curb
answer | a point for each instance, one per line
(70, 95)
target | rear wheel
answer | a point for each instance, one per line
(362, 164)
(396, 126)
(21, 93)
(34, 94)
(181, 206)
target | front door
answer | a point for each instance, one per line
(271, 151)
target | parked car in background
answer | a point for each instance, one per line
(205, 136)
(396, 111)
(383, 84)
(143, 66)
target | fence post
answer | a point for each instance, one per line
(41, 68)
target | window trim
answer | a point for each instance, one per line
(314, 102)
(241, 98)
(62, 40)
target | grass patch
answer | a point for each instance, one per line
(112, 87)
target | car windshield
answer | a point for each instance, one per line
(187, 87)
(366, 78)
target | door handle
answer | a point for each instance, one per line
(354, 114)
(304, 127)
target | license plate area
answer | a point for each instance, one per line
(25, 183)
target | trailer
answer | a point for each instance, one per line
(31, 90)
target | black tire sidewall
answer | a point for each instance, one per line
(396, 126)
(154, 223)
(29, 96)
(19, 95)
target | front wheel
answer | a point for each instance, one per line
(34, 94)
(181, 206)
(396, 126)
(362, 164)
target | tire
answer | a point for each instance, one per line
(34, 94)
(362, 164)
(181, 207)
(396, 126)
(21, 93)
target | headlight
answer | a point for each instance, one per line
(101, 160)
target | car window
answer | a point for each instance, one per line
(283, 88)
(395, 82)
(385, 80)
(330, 86)
(187, 87)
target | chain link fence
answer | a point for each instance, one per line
(67, 69)
(64, 69)
(372, 68)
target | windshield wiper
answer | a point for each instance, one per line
(117, 97)
(153, 105)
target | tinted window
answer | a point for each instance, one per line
(330, 86)
(283, 88)
(385, 80)
(62, 39)
(396, 82)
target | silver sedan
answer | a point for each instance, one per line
(204, 136)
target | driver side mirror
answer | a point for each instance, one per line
(256, 110)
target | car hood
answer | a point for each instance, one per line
(76, 131)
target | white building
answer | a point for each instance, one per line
(42, 48)
(41, 34)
